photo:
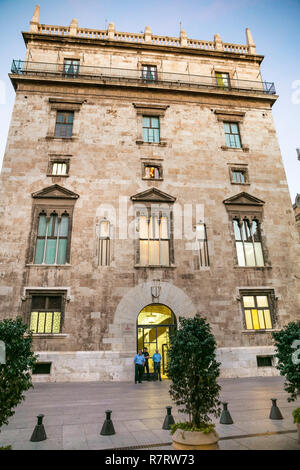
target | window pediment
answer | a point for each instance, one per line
(55, 192)
(153, 195)
(243, 199)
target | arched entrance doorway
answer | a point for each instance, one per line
(155, 324)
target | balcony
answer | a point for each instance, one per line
(118, 76)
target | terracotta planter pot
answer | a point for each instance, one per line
(194, 440)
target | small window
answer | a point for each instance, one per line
(151, 130)
(264, 361)
(64, 124)
(222, 80)
(41, 368)
(149, 73)
(239, 176)
(59, 168)
(257, 311)
(71, 67)
(46, 314)
(232, 135)
(152, 172)
(202, 247)
(104, 243)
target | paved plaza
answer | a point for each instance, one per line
(75, 412)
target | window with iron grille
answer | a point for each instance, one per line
(222, 80)
(53, 234)
(149, 73)
(201, 245)
(154, 239)
(151, 129)
(71, 67)
(46, 313)
(232, 135)
(248, 242)
(104, 243)
(64, 124)
(257, 311)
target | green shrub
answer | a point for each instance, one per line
(296, 415)
(193, 370)
(15, 375)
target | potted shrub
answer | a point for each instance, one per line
(287, 343)
(296, 416)
(193, 371)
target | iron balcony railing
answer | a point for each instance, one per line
(79, 72)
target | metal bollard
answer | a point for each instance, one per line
(225, 416)
(169, 420)
(275, 411)
(39, 433)
(108, 427)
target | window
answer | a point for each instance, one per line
(232, 135)
(46, 313)
(257, 311)
(248, 242)
(104, 243)
(201, 244)
(239, 176)
(149, 73)
(222, 80)
(59, 168)
(41, 368)
(151, 131)
(64, 124)
(264, 361)
(71, 67)
(151, 171)
(52, 238)
(154, 239)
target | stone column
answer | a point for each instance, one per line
(111, 31)
(148, 34)
(73, 27)
(34, 23)
(183, 38)
(218, 43)
(250, 42)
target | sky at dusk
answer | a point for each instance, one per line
(274, 25)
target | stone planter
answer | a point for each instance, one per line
(194, 440)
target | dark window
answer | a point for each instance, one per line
(248, 242)
(42, 368)
(64, 124)
(257, 311)
(53, 235)
(151, 129)
(264, 361)
(149, 73)
(71, 67)
(232, 135)
(46, 313)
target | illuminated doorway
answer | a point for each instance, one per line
(155, 324)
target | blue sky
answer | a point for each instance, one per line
(274, 25)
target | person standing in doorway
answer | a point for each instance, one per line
(146, 367)
(156, 363)
(139, 362)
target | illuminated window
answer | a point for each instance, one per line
(248, 242)
(232, 135)
(149, 73)
(152, 172)
(151, 131)
(104, 243)
(59, 168)
(202, 247)
(154, 239)
(257, 311)
(222, 80)
(64, 124)
(46, 313)
(52, 238)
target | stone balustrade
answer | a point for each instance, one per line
(142, 38)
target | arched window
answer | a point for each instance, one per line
(248, 242)
(52, 238)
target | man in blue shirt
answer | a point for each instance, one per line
(139, 361)
(156, 362)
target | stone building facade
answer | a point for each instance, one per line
(143, 181)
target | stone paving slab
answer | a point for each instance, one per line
(75, 412)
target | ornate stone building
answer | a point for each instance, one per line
(143, 181)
